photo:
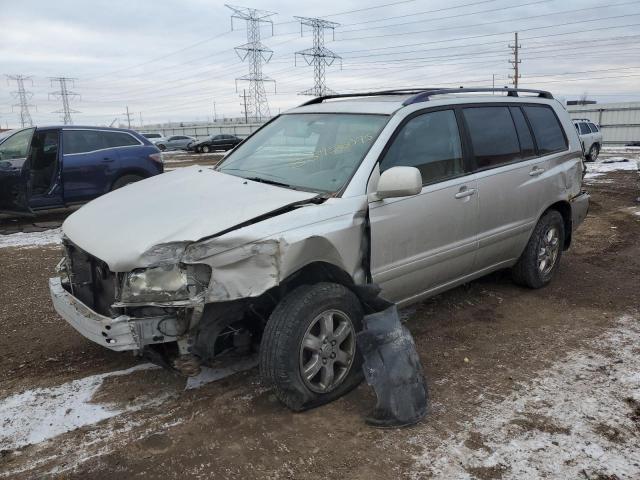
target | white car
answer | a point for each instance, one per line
(154, 137)
(590, 137)
(412, 192)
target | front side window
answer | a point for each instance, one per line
(493, 136)
(584, 129)
(429, 142)
(17, 145)
(546, 129)
(82, 141)
(306, 151)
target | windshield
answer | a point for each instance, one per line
(307, 151)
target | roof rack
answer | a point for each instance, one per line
(423, 94)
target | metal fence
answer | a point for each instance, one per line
(619, 122)
(241, 130)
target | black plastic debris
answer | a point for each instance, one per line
(391, 366)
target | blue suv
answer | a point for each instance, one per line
(53, 167)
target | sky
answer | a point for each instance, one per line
(170, 60)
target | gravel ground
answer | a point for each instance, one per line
(524, 384)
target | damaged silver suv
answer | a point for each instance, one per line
(414, 191)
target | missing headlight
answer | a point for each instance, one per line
(165, 283)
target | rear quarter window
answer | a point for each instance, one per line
(546, 129)
(119, 139)
(593, 127)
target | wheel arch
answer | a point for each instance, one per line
(128, 171)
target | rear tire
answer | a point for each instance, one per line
(161, 147)
(594, 151)
(541, 257)
(205, 149)
(308, 351)
(125, 180)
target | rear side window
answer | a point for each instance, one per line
(593, 128)
(546, 129)
(82, 141)
(119, 139)
(584, 128)
(493, 136)
(527, 147)
(429, 142)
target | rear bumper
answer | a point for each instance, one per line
(579, 208)
(119, 334)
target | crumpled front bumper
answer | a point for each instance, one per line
(120, 333)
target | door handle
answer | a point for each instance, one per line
(536, 171)
(107, 159)
(465, 192)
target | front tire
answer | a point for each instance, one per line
(541, 257)
(308, 351)
(205, 149)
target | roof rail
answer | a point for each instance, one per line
(423, 94)
(511, 92)
(399, 91)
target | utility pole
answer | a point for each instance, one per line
(140, 119)
(65, 95)
(215, 117)
(244, 105)
(23, 98)
(128, 116)
(516, 61)
(319, 56)
(257, 53)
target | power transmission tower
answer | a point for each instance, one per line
(244, 105)
(319, 56)
(65, 95)
(516, 61)
(23, 98)
(257, 54)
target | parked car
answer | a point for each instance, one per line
(53, 167)
(177, 142)
(155, 138)
(215, 142)
(590, 137)
(415, 192)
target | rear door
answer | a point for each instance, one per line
(89, 164)
(510, 175)
(15, 173)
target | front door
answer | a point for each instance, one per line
(15, 184)
(427, 241)
(45, 162)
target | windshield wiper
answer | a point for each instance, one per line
(270, 182)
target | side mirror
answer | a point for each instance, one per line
(399, 182)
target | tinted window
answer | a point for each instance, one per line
(493, 136)
(527, 147)
(82, 141)
(429, 142)
(119, 139)
(546, 129)
(584, 129)
(151, 135)
(593, 128)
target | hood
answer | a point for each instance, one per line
(176, 207)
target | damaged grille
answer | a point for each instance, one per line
(90, 279)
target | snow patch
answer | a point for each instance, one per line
(600, 168)
(573, 421)
(208, 375)
(32, 239)
(42, 413)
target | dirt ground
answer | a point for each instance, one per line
(498, 358)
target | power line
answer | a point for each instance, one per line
(257, 53)
(319, 56)
(65, 95)
(23, 98)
